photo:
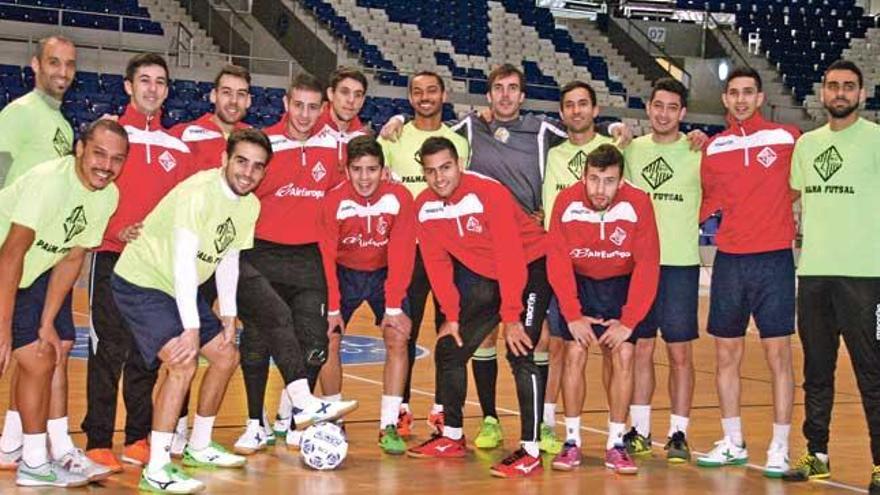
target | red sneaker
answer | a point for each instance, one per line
(405, 423)
(439, 447)
(435, 422)
(518, 465)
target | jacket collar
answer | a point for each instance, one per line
(137, 119)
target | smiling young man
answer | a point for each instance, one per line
(485, 258)
(603, 264)
(664, 164)
(368, 247)
(49, 217)
(835, 167)
(21, 147)
(745, 172)
(198, 229)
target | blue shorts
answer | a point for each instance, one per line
(357, 286)
(28, 311)
(602, 299)
(760, 284)
(674, 311)
(153, 318)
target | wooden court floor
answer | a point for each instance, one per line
(367, 470)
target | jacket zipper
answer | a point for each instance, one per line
(149, 152)
(745, 148)
(602, 226)
(369, 218)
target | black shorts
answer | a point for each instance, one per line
(28, 311)
(153, 317)
(358, 286)
(674, 311)
(602, 299)
(759, 284)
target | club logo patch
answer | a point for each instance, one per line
(167, 161)
(577, 163)
(382, 226)
(474, 226)
(828, 163)
(60, 143)
(319, 172)
(225, 236)
(75, 223)
(502, 134)
(767, 157)
(618, 236)
(657, 173)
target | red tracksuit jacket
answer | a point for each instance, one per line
(622, 240)
(368, 234)
(325, 127)
(481, 226)
(156, 162)
(745, 174)
(205, 140)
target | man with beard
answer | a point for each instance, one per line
(32, 128)
(837, 170)
(427, 94)
(49, 217)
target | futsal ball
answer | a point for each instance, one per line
(323, 446)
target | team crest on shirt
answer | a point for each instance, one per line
(167, 161)
(75, 223)
(502, 134)
(60, 143)
(473, 225)
(828, 163)
(767, 156)
(225, 236)
(382, 226)
(657, 173)
(318, 172)
(577, 163)
(618, 236)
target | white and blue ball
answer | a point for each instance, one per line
(323, 446)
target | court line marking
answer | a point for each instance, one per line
(598, 431)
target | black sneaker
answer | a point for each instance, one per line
(677, 449)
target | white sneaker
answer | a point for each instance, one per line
(169, 479)
(9, 460)
(725, 453)
(77, 462)
(178, 444)
(293, 438)
(252, 440)
(214, 455)
(48, 474)
(777, 461)
(319, 411)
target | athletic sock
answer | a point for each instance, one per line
(60, 442)
(333, 398)
(12, 432)
(452, 433)
(780, 436)
(34, 452)
(531, 448)
(640, 416)
(485, 366)
(390, 410)
(255, 371)
(732, 428)
(436, 408)
(181, 425)
(203, 426)
(573, 430)
(160, 450)
(615, 434)
(299, 393)
(404, 407)
(678, 423)
(542, 359)
(284, 405)
(822, 456)
(550, 414)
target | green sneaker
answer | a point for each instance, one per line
(490, 435)
(638, 445)
(874, 486)
(212, 456)
(677, 449)
(169, 479)
(391, 442)
(550, 443)
(809, 467)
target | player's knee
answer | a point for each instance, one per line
(34, 365)
(184, 371)
(396, 343)
(575, 358)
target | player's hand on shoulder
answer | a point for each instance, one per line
(698, 139)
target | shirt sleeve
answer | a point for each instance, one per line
(796, 179)
(560, 269)
(186, 283)
(328, 243)
(226, 279)
(438, 265)
(646, 273)
(510, 258)
(31, 213)
(401, 254)
(11, 129)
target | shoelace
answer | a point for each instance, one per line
(806, 460)
(677, 440)
(512, 458)
(630, 435)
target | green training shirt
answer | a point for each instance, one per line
(50, 200)
(670, 174)
(401, 156)
(202, 205)
(565, 166)
(32, 131)
(838, 175)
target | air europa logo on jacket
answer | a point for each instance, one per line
(292, 190)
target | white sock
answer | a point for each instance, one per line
(390, 410)
(531, 448)
(181, 425)
(573, 430)
(201, 433)
(59, 437)
(34, 451)
(640, 416)
(160, 450)
(12, 432)
(733, 428)
(550, 414)
(452, 433)
(678, 423)
(436, 408)
(780, 436)
(285, 405)
(300, 395)
(615, 434)
(821, 456)
(404, 406)
(333, 398)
